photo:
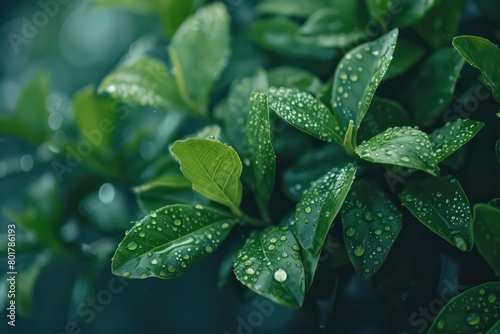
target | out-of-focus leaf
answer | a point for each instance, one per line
(442, 206)
(487, 232)
(301, 8)
(401, 13)
(170, 240)
(483, 55)
(292, 77)
(440, 71)
(199, 52)
(406, 55)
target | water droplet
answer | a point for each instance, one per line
(126, 274)
(177, 222)
(405, 158)
(353, 77)
(368, 216)
(473, 319)
(307, 210)
(440, 324)
(359, 250)
(209, 249)
(350, 231)
(171, 268)
(492, 298)
(154, 261)
(280, 275)
(378, 231)
(142, 234)
(250, 271)
(131, 245)
(459, 242)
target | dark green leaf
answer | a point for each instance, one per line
(261, 150)
(213, 168)
(270, 264)
(442, 206)
(371, 224)
(452, 136)
(357, 77)
(199, 52)
(144, 81)
(301, 8)
(292, 77)
(483, 55)
(401, 146)
(476, 310)
(487, 233)
(234, 110)
(440, 71)
(319, 206)
(406, 55)
(441, 23)
(382, 114)
(170, 240)
(306, 113)
(401, 13)
(173, 13)
(497, 148)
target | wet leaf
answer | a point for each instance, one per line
(442, 206)
(306, 113)
(292, 77)
(233, 111)
(170, 240)
(402, 13)
(440, 71)
(95, 118)
(441, 23)
(357, 77)
(406, 55)
(473, 311)
(483, 55)
(319, 206)
(487, 232)
(371, 224)
(213, 168)
(199, 52)
(262, 156)
(401, 146)
(270, 264)
(452, 136)
(382, 114)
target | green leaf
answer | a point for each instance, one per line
(306, 113)
(199, 52)
(282, 35)
(30, 121)
(483, 55)
(292, 77)
(382, 114)
(213, 168)
(335, 27)
(173, 13)
(170, 240)
(233, 111)
(270, 264)
(401, 13)
(487, 232)
(440, 71)
(95, 117)
(497, 148)
(310, 166)
(357, 77)
(441, 23)
(473, 311)
(371, 224)
(319, 206)
(495, 329)
(406, 55)
(259, 144)
(146, 82)
(301, 8)
(143, 6)
(401, 146)
(442, 206)
(452, 136)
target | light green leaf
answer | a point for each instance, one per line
(292, 77)
(441, 23)
(319, 206)
(282, 35)
(371, 224)
(213, 168)
(442, 206)
(452, 136)
(170, 240)
(357, 77)
(233, 111)
(401, 13)
(440, 71)
(259, 144)
(306, 113)
(401, 146)
(335, 27)
(487, 232)
(95, 118)
(199, 52)
(476, 310)
(146, 82)
(382, 114)
(483, 55)
(406, 55)
(270, 264)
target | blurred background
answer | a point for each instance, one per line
(49, 54)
